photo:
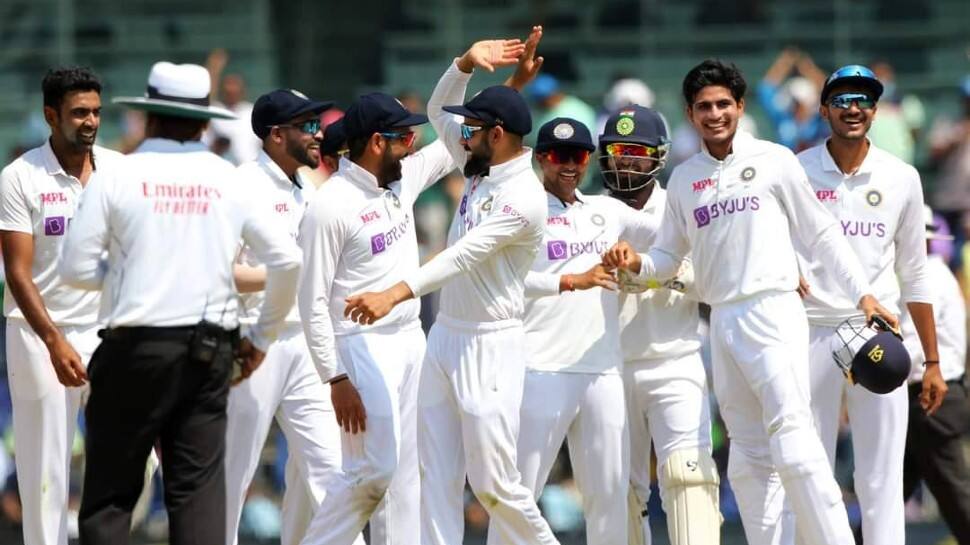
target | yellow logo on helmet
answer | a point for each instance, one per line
(625, 125)
(876, 354)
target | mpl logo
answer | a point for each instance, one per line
(55, 197)
(827, 195)
(701, 185)
(369, 217)
(557, 220)
(282, 207)
(557, 249)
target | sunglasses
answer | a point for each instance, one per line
(845, 100)
(467, 131)
(407, 138)
(310, 126)
(630, 150)
(563, 156)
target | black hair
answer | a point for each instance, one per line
(60, 81)
(714, 72)
(356, 145)
(180, 129)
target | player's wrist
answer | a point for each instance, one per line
(464, 63)
(566, 283)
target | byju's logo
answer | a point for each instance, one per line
(557, 249)
(54, 226)
(377, 244)
(702, 216)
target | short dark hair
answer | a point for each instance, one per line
(60, 81)
(356, 146)
(714, 72)
(180, 129)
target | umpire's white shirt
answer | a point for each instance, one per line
(359, 237)
(738, 217)
(879, 209)
(950, 313)
(575, 332)
(285, 200)
(39, 198)
(170, 217)
(661, 322)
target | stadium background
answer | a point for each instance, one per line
(335, 50)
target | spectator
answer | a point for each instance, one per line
(232, 139)
(624, 92)
(551, 102)
(950, 151)
(900, 117)
(792, 103)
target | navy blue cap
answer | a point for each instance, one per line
(882, 363)
(334, 138)
(853, 74)
(635, 124)
(282, 106)
(378, 112)
(564, 132)
(498, 105)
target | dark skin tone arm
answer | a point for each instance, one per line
(18, 255)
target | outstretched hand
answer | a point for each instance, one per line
(528, 65)
(491, 54)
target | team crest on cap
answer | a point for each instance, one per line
(563, 131)
(874, 198)
(598, 220)
(625, 126)
(748, 174)
(296, 93)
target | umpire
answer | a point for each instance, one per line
(170, 219)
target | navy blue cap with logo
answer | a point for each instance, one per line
(635, 124)
(853, 74)
(563, 132)
(282, 106)
(378, 112)
(498, 106)
(872, 356)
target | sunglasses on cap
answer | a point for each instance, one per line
(630, 150)
(310, 126)
(407, 138)
(845, 100)
(563, 156)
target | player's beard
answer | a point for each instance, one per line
(305, 154)
(479, 160)
(390, 170)
(79, 138)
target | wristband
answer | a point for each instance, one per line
(567, 283)
(339, 379)
(931, 361)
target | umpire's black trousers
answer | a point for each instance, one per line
(934, 453)
(146, 388)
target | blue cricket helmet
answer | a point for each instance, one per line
(854, 74)
(871, 355)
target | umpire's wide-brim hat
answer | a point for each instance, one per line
(177, 90)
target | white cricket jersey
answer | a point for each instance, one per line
(880, 211)
(950, 315)
(170, 217)
(657, 323)
(286, 201)
(39, 198)
(576, 331)
(359, 237)
(738, 217)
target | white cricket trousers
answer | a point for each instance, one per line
(44, 421)
(669, 405)
(384, 365)
(468, 423)
(879, 424)
(760, 364)
(285, 387)
(588, 411)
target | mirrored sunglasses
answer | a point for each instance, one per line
(406, 137)
(310, 126)
(467, 131)
(845, 100)
(630, 150)
(563, 156)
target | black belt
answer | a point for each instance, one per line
(147, 333)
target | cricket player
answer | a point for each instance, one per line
(51, 327)
(736, 205)
(287, 386)
(573, 385)
(472, 376)
(359, 235)
(666, 384)
(877, 203)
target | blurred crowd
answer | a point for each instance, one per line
(786, 98)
